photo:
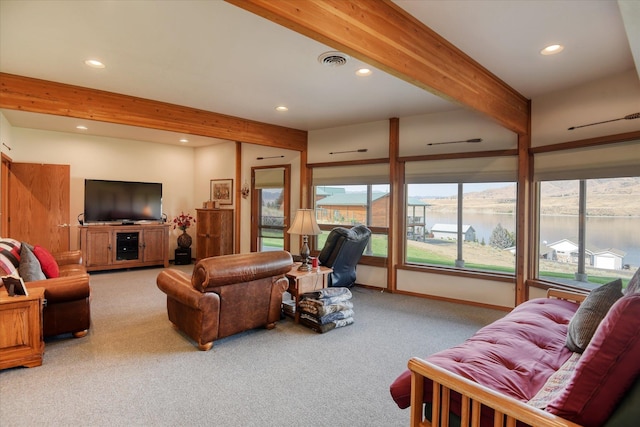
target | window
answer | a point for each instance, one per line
(594, 244)
(270, 202)
(352, 205)
(588, 216)
(349, 195)
(486, 212)
(461, 213)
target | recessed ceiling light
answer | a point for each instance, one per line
(81, 127)
(184, 140)
(363, 72)
(94, 63)
(552, 49)
(281, 108)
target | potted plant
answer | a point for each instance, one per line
(183, 221)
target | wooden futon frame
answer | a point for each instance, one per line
(508, 411)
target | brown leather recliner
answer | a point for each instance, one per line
(226, 294)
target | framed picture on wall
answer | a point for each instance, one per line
(222, 191)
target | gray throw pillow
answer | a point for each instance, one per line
(634, 284)
(593, 309)
(29, 268)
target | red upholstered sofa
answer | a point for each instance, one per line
(519, 370)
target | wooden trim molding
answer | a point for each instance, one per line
(382, 34)
(397, 213)
(237, 230)
(591, 142)
(348, 163)
(42, 96)
(524, 218)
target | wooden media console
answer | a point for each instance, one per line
(110, 247)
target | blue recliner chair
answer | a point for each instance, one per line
(342, 251)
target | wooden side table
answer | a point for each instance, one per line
(306, 281)
(21, 340)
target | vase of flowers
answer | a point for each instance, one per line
(184, 221)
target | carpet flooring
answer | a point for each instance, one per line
(135, 369)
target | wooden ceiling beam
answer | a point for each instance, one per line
(382, 34)
(42, 96)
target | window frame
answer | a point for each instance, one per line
(615, 164)
(460, 214)
(375, 164)
(505, 170)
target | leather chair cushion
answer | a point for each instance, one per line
(210, 273)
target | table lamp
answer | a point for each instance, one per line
(304, 224)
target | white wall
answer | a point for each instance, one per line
(372, 276)
(605, 99)
(5, 135)
(455, 287)
(109, 158)
(213, 162)
(373, 136)
(416, 132)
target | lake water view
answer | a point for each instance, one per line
(620, 233)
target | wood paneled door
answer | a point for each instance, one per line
(39, 205)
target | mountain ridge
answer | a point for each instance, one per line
(618, 197)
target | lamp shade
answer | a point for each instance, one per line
(304, 223)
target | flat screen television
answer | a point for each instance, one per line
(122, 201)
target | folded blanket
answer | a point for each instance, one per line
(327, 300)
(331, 317)
(326, 327)
(319, 310)
(328, 293)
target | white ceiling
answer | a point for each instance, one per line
(214, 56)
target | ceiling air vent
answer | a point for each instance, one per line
(333, 59)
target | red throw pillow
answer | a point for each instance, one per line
(607, 369)
(47, 262)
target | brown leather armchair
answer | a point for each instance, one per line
(226, 294)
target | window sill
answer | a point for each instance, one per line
(484, 275)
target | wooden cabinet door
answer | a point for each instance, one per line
(99, 248)
(153, 244)
(226, 232)
(21, 342)
(39, 205)
(214, 235)
(206, 233)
